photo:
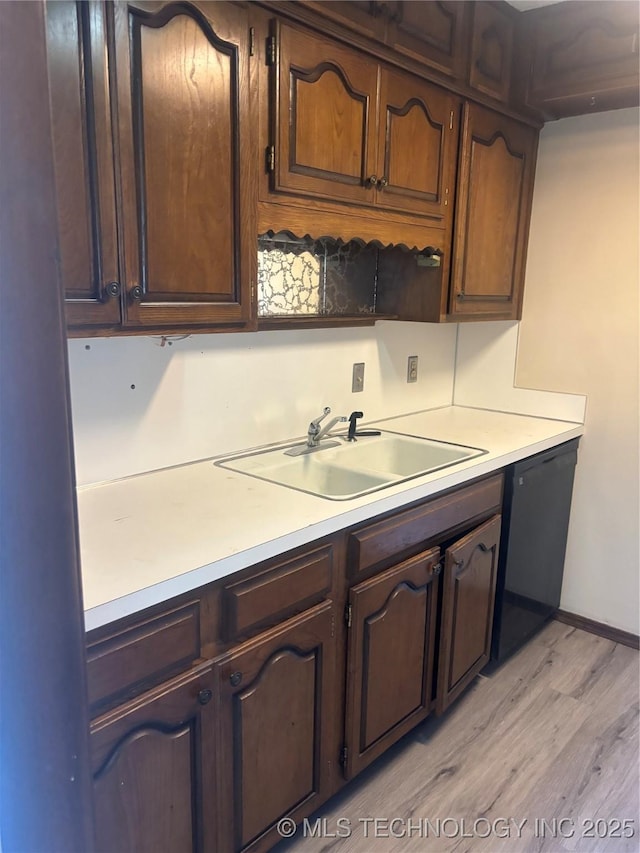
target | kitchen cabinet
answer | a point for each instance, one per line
(333, 141)
(431, 32)
(583, 57)
(494, 196)
(492, 44)
(277, 695)
(161, 89)
(81, 130)
(469, 583)
(391, 646)
(154, 769)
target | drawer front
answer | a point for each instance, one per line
(396, 537)
(278, 593)
(143, 655)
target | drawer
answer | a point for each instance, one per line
(143, 655)
(396, 537)
(274, 595)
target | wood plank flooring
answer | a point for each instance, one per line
(550, 736)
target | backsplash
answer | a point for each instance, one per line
(138, 406)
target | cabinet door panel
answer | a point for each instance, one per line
(154, 764)
(418, 135)
(467, 609)
(325, 118)
(275, 701)
(390, 657)
(431, 32)
(83, 161)
(491, 50)
(184, 136)
(495, 186)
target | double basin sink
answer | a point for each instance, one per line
(345, 470)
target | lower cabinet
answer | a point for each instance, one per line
(391, 646)
(276, 697)
(294, 699)
(470, 573)
(154, 770)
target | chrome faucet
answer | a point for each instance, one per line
(315, 432)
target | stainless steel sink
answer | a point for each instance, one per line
(353, 468)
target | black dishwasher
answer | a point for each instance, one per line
(537, 502)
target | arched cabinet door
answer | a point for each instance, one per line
(468, 594)
(324, 103)
(494, 195)
(154, 765)
(277, 697)
(188, 222)
(418, 144)
(390, 657)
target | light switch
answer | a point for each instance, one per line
(412, 368)
(357, 382)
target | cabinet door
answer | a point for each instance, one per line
(431, 32)
(494, 194)
(189, 235)
(392, 619)
(491, 50)
(276, 694)
(325, 118)
(83, 161)
(362, 16)
(154, 766)
(418, 136)
(468, 595)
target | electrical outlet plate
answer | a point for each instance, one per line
(412, 368)
(357, 381)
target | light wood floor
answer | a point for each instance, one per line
(552, 734)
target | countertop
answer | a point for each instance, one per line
(148, 538)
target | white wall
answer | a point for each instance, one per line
(213, 394)
(579, 333)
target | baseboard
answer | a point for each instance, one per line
(625, 638)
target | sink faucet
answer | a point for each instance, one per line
(315, 432)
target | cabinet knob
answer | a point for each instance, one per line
(235, 678)
(437, 568)
(136, 293)
(111, 290)
(382, 183)
(205, 696)
(372, 181)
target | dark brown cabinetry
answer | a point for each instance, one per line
(154, 770)
(491, 50)
(277, 693)
(84, 162)
(432, 32)
(182, 195)
(470, 572)
(583, 57)
(333, 140)
(391, 642)
(494, 195)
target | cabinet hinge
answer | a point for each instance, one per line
(343, 756)
(271, 158)
(271, 50)
(252, 41)
(333, 626)
(347, 615)
(451, 120)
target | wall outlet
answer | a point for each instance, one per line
(357, 381)
(412, 368)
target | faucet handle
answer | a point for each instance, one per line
(316, 423)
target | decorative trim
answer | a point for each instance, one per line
(617, 635)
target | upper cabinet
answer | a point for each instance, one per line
(583, 57)
(495, 189)
(173, 79)
(334, 140)
(491, 50)
(83, 161)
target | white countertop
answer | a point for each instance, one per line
(147, 538)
